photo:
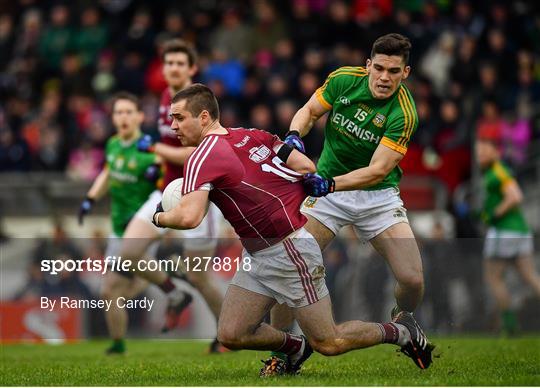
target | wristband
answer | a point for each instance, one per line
(284, 152)
(293, 132)
(331, 185)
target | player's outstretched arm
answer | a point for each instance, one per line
(383, 161)
(176, 155)
(100, 186)
(97, 190)
(306, 116)
(188, 214)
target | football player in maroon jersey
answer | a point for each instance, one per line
(257, 182)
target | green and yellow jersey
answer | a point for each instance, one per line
(358, 123)
(128, 187)
(496, 177)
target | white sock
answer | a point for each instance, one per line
(404, 335)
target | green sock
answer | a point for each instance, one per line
(118, 345)
(509, 321)
(279, 355)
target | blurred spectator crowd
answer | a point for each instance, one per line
(475, 68)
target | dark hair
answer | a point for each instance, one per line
(179, 46)
(126, 96)
(392, 44)
(199, 97)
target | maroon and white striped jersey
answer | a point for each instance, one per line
(172, 171)
(256, 192)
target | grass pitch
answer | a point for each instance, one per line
(459, 361)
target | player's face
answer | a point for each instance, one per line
(385, 74)
(177, 71)
(126, 118)
(486, 153)
(188, 129)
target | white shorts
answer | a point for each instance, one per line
(202, 237)
(505, 244)
(291, 271)
(370, 212)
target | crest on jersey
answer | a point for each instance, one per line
(119, 163)
(132, 164)
(379, 120)
(310, 202)
(258, 154)
(344, 100)
(318, 272)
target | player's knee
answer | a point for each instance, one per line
(413, 281)
(134, 249)
(236, 336)
(108, 292)
(493, 279)
(129, 252)
(530, 277)
(229, 338)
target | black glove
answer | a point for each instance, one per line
(85, 208)
(153, 173)
(159, 209)
(317, 186)
(145, 144)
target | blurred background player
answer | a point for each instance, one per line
(509, 241)
(129, 176)
(372, 119)
(179, 66)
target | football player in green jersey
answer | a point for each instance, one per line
(508, 239)
(372, 117)
(129, 176)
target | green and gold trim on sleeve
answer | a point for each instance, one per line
(355, 71)
(321, 99)
(502, 174)
(393, 145)
(409, 117)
